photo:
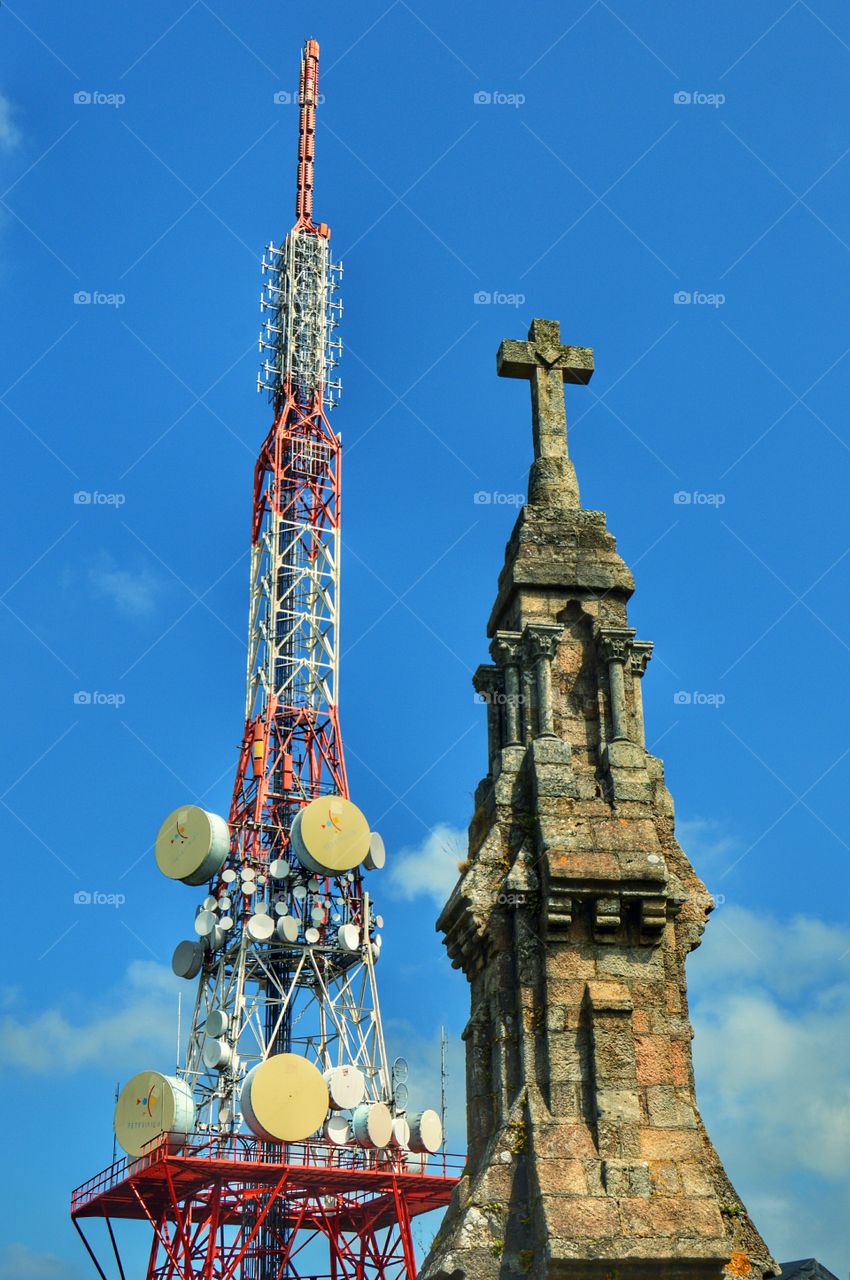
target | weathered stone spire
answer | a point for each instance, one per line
(572, 922)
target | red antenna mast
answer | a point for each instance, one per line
(286, 1035)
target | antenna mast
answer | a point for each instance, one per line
(286, 1035)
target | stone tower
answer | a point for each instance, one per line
(572, 920)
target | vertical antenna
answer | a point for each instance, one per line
(308, 100)
(444, 1077)
(179, 1012)
(114, 1135)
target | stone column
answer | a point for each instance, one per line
(615, 645)
(541, 641)
(489, 686)
(641, 653)
(505, 650)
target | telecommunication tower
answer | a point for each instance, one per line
(283, 1147)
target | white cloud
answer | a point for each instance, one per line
(431, 868)
(771, 1007)
(10, 134)
(20, 1262)
(706, 842)
(133, 593)
(131, 1024)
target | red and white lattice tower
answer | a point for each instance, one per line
(286, 1036)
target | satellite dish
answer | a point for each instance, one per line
(379, 922)
(401, 1132)
(337, 1130)
(260, 928)
(376, 858)
(262, 908)
(249, 888)
(372, 1124)
(187, 959)
(346, 1087)
(217, 1054)
(317, 914)
(299, 893)
(426, 1132)
(348, 936)
(401, 1069)
(228, 876)
(150, 1105)
(217, 1023)
(284, 1098)
(401, 1093)
(210, 904)
(248, 873)
(313, 883)
(226, 923)
(287, 929)
(192, 845)
(279, 869)
(205, 923)
(311, 936)
(330, 835)
(225, 902)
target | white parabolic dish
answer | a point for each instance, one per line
(426, 1132)
(192, 845)
(284, 1099)
(330, 835)
(152, 1104)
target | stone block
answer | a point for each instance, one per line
(581, 1218)
(669, 1107)
(671, 1144)
(653, 1060)
(671, 1216)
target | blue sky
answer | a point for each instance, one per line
(622, 156)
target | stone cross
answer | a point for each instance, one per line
(547, 365)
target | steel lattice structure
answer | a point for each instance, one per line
(225, 1204)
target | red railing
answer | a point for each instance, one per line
(239, 1149)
